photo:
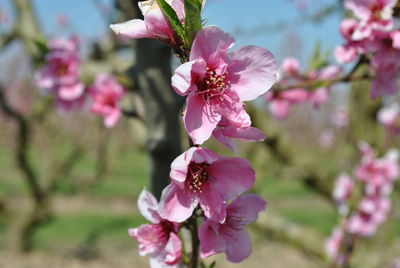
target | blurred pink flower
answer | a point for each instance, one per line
(280, 102)
(160, 239)
(389, 117)
(62, 20)
(375, 15)
(200, 176)
(60, 75)
(344, 186)
(333, 245)
(217, 82)
(106, 94)
(341, 117)
(327, 138)
(231, 236)
(291, 66)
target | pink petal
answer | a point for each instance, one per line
(71, 92)
(111, 119)
(184, 75)
(131, 29)
(148, 206)
(252, 71)
(211, 202)
(176, 205)
(199, 119)
(238, 245)
(157, 24)
(247, 207)
(280, 108)
(211, 242)
(233, 176)
(173, 250)
(201, 155)
(295, 96)
(219, 135)
(211, 44)
(247, 134)
(179, 166)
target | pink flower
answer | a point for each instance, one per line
(291, 66)
(237, 127)
(372, 212)
(107, 93)
(334, 243)
(327, 138)
(217, 82)
(374, 15)
(389, 117)
(281, 101)
(155, 24)
(160, 239)
(231, 236)
(60, 75)
(200, 176)
(344, 186)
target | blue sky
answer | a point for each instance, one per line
(244, 19)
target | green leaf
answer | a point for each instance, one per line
(193, 22)
(173, 19)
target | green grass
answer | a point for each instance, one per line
(77, 229)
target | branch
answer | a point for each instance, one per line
(7, 38)
(22, 140)
(350, 77)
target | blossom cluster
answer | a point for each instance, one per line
(376, 176)
(371, 33)
(205, 185)
(280, 102)
(60, 76)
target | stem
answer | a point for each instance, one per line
(194, 261)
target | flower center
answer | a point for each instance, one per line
(213, 85)
(197, 176)
(377, 11)
(62, 69)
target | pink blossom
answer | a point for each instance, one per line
(319, 97)
(106, 94)
(200, 176)
(291, 66)
(231, 236)
(155, 24)
(282, 101)
(334, 243)
(238, 126)
(159, 239)
(217, 82)
(344, 186)
(375, 15)
(389, 117)
(372, 212)
(60, 75)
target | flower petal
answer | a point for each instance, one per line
(71, 92)
(252, 71)
(211, 242)
(212, 203)
(248, 134)
(233, 176)
(131, 29)
(211, 44)
(218, 133)
(176, 205)
(148, 206)
(173, 250)
(199, 119)
(185, 74)
(247, 207)
(238, 245)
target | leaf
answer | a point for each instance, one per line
(170, 13)
(193, 21)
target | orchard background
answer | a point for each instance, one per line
(69, 184)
